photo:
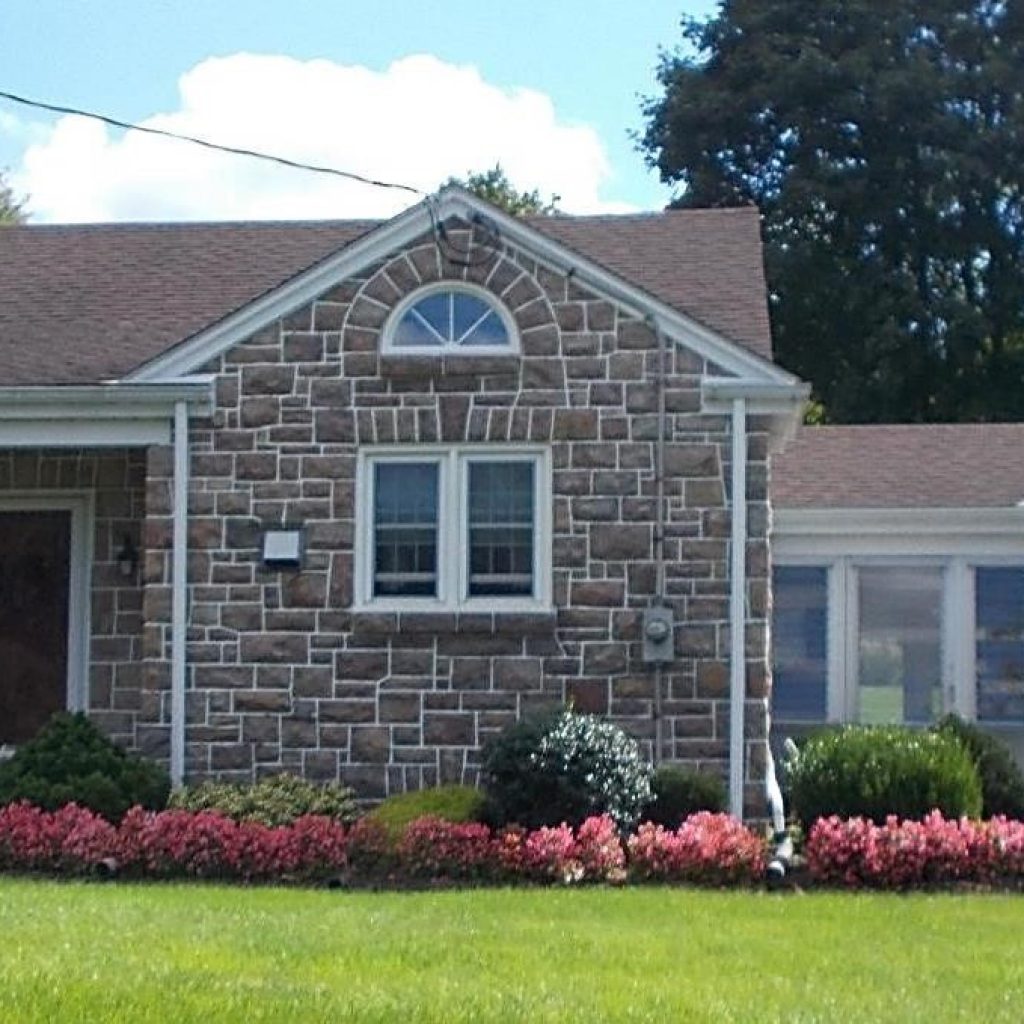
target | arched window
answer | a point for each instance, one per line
(450, 319)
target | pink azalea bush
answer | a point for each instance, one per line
(707, 848)
(905, 853)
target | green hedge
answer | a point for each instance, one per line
(873, 772)
(1002, 782)
(275, 800)
(450, 803)
(679, 792)
(563, 766)
(71, 761)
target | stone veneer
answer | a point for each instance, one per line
(283, 675)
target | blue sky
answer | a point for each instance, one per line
(550, 88)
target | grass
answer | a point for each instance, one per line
(78, 952)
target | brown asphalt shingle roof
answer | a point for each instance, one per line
(80, 304)
(975, 465)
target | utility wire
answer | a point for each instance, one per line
(237, 151)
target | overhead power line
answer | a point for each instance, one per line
(236, 150)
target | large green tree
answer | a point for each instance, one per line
(884, 143)
(494, 186)
(12, 210)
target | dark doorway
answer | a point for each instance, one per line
(35, 568)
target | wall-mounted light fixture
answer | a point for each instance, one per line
(127, 558)
(282, 549)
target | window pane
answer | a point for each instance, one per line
(415, 332)
(450, 318)
(405, 517)
(899, 647)
(800, 644)
(999, 596)
(500, 528)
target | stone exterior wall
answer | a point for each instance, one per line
(284, 675)
(116, 480)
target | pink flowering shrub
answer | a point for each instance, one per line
(600, 851)
(434, 848)
(901, 854)
(71, 839)
(707, 848)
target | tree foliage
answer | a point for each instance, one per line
(12, 210)
(884, 144)
(494, 186)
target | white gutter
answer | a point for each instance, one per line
(179, 580)
(738, 607)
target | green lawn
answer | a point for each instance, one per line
(135, 953)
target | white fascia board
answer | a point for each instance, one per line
(104, 401)
(783, 402)
(391, 236)
(97, 414)
(897, 531)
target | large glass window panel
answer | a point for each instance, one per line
(405, 524)
(800, 643)
(999, 643)
(899, 646)
(500, 520)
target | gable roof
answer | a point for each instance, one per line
(938, 465)
(81, 304)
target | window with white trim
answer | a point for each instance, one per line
(450, 319)
(454, 527)
(897, 640)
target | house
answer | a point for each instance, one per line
(898, 576)
(347, 498)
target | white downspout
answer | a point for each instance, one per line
(179, 580)
(738, 606)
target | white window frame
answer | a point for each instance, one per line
(957, 541)
(453, 527)
(389, 346)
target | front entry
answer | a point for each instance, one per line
(35, 568)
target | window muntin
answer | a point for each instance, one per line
(501, 528)
(449, 319)
(899, 644)
(800, 643)
(999, 643)
(492, 536)
(405, 526)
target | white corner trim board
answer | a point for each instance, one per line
(179, 583)
(738, 607)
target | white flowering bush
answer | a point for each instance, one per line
(566, 767)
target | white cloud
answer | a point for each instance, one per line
(416, 123)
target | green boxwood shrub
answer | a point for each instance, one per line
(71, 761)
(563, 766)
(679, 792)
(1002, 781)
(873, 772)
(450, 803)
(275, 800)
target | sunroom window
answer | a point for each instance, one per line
(999, 643)
(899, 644)
(885, 641)
(455, 527)
(449, 319)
